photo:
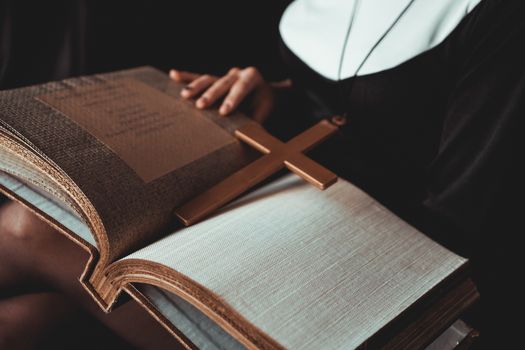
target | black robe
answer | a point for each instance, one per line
(438, 140)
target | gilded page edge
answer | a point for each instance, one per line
(124, 272)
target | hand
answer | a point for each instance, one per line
(233, 88)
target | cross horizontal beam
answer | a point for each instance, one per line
(277, 155)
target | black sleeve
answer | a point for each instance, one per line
(476, 181)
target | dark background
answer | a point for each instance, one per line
(47, 40)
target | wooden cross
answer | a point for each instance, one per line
(277, 155)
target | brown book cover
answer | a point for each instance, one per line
(107, 158)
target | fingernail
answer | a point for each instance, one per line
(185, 92)
(173, 74)
(225, 109)
(201, 102)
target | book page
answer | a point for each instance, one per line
(207, 335)
(53, 209)
(312, 269)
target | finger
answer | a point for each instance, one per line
(217, 90)
(182, 76)
(246, 83)
(198, 86)
(283, 84)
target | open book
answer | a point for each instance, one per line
(107, 158)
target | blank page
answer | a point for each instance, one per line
(312, 269)
(62, 215)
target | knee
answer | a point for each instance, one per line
(18, 223)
